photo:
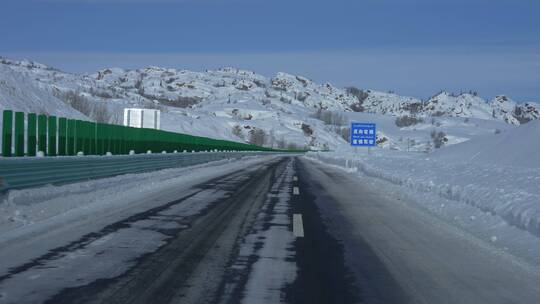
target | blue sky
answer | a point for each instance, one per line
(414, 47)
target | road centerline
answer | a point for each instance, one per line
(298, 225)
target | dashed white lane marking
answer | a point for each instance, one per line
(295, 191)
(298, 225)
(295, 178)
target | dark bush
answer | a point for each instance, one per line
(356, 92)
(308, 131)
(439, 138)
(406, 121)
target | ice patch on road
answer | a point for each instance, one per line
(104, 258)
(106, 254)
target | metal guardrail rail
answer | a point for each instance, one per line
(25, 172)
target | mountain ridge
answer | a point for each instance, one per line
(184, 88)
(234, 104)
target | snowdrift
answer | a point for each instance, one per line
(515, 147)
(509, 192)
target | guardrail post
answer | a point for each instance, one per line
(139, 140)
(19, 134)
(31, 135)
(93, 136)
(107, 137)
(102, 140)
(124, 141)
(62, 129)
(7, 132)
(121, 140)
(114, 140)
(79, 136)
(132, 139)
(52, 135)
(87, 138)
(42, 133)
(71, 137)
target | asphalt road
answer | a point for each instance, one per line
(289, 230)
(398, 253)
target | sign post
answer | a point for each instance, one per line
(363, 135)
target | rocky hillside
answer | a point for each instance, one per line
(446, 104)
(234, 104)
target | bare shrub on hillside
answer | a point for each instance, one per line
(439, 138)
(181, 101)
(259, 83)
(101, 114)
(237, 130)
(360, 95)
(308, 131)
(101, 93)
(330, 118)
(281, 143)
(406, 121)
(356, 92)
(76, 100)
(257, 137)
(345, 133)
(413, 107)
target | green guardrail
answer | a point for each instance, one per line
(52, 136)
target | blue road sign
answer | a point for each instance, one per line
(363, 134)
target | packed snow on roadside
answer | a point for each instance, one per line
(490, 184)
(34, 207)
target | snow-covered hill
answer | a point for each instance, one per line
(19, 92)
(236, 104)
(446, 104)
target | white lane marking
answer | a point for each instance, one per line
(295, 178)
(295, 191)
(298, 225)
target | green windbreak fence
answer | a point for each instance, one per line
(30, 134)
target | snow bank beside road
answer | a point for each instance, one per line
(515, 147)
(53, 204)
(510, 192)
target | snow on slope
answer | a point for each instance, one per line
(515, 147)
(470, 105)
(445, 104)
(417, 137)
(211, 103)
(21, 93)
